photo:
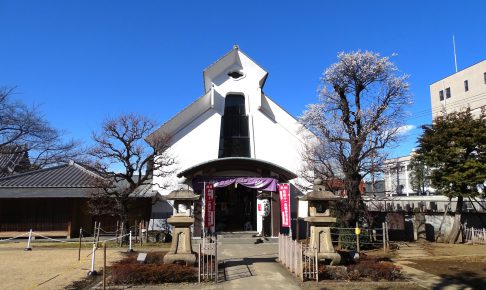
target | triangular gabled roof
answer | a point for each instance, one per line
(234, 59)
(69, 175)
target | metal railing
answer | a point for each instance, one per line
(300, 259)
(208, 260)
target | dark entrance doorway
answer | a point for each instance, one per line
(235, 209)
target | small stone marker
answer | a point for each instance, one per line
(141, 257)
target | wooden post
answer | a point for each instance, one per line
(94, 233)
(80, 237)
(98, 234)
(104, 266)
(146, 231)
(357, 238)
(384, 237)
(387, 237)
(472, 236)
(140, 225)
(122, 231)
(68, 230)
(135, 231)
(116, 230)
(199, 264)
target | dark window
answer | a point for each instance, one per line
(466, 85)
(235, 74)
(234, 140)
(441, 95)
(485, 77)
(448, 93)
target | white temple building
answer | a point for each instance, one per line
(239, 139)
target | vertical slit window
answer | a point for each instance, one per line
(441, 95)
(466, 86)
(234, 140)
(448, 93)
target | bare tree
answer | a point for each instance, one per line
(359, 114)
(23, 129)
(126, 163)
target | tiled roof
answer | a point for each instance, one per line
(44, 192)
(67, 175)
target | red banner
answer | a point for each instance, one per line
(284, 192)
(209, 206)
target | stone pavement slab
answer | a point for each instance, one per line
(245, 267)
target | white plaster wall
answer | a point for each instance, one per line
(196, 143)
(474, 98)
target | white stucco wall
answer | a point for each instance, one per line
(195, 131)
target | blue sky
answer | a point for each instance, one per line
(85, 60)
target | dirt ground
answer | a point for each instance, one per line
(47, 267)
(460, 263)
(55, 267)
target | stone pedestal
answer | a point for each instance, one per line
(320, 237)
(181, 248)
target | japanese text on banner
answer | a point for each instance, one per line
(209, 206)
(284, 192)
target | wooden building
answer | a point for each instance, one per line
(54, 202)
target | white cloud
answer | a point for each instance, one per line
(403, 130)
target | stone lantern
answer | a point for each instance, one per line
(182, 219)
(320, 219)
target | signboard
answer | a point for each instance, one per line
(209, 209)
(263, 207)
(284, 192)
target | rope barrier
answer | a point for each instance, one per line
(9, 239)
(39, 235)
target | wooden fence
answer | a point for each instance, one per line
(208, 260)
(300, 259)
(475, 236)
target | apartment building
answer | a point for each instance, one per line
(465, 88)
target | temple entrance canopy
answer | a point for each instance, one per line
(237, 182)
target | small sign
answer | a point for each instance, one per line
(141, 257)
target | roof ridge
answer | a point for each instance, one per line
(89, 171)
(33, 172)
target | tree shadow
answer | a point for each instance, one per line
(467, 278)
(242, 268)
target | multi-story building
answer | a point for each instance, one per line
(463, 89)
(397, 176)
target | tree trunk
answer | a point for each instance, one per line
(456, 235)
(354, 198)
(124, 218)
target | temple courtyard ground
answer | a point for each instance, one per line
(429, 266)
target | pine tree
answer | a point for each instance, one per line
(454, 147)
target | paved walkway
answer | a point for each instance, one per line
(411, 250)
(246, 266)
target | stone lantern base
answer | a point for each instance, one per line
(181, 248)
(320, 236)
